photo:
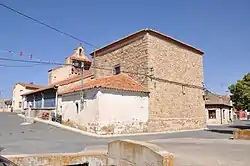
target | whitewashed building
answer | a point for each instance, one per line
(218, 108)
(115, 104)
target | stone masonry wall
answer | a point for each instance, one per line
(176, 94)
(132, 57)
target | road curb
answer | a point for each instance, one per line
(106, 136)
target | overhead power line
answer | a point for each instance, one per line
(3, 65)
(109, 69)
(56, 63)
(55, 29)
(80, 40)
(46, 25)
(32, 61)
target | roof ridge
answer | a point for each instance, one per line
(131, 35)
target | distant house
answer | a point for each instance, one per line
(218, 108)
(241, 114)
(5, 105)
(110, 105)
(19, 89)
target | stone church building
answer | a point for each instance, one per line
(172, 71)
(144, 82)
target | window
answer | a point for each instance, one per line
(223, 114)
(80, 52)
(117, 69)
(49, 100)
(20, 104)
(212, 114)
(30, 101)
(230, 114)
(77, 107)
(38, 101)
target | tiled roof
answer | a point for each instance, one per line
(119, 82)
(40, 90)
(150, 31)
(32, 86)
(87, 74)
(214, 99)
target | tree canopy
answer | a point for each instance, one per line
(240, 93)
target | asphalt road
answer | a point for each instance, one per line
(207, 152)
(43, 138)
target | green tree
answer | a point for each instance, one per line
(240, 93)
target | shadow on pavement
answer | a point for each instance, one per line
(221, 131)
(244, 127)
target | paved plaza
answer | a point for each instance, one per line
(189, 148)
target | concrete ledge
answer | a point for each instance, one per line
(56, 159)
(241, 134)
(129, 152)
(120, 152)
(104, 136)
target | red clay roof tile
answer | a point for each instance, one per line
(87, 74)
(119, 82)
(30, 85)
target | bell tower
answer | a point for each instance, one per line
(79, 53)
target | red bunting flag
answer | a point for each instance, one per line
(21, 54)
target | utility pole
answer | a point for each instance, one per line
(80, 65)
(94, 63)
(82, 78)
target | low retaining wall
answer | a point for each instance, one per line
(94, 159)
(241, 134)
(135, 153)
(121, 152)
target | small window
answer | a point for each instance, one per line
(117, 69)
(77, 107)
(20, 104)
(223, 114)
(212, 114)
(80, 51)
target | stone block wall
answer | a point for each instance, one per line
(59, 159)
(132, 57)
(176, 90)
(241, 134)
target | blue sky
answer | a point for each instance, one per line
(220, 28)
